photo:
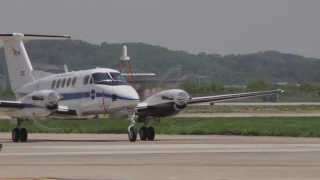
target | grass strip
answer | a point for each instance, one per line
(252, 126)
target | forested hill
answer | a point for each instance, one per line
(229, 69)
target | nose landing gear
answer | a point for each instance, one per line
(132, 133)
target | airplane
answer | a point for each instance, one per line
(70, 94)
(85, 93)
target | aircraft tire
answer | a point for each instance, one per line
(151, 133)
(143, 133)
(23, 135)
(15, 135)
(132, 134)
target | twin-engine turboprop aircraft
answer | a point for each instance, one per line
(85, 93)
(70, 94)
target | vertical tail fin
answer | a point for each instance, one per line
(19, 65)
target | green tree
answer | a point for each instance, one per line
(258, 85)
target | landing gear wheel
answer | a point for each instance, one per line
(15, 135)
(23, 134)
(132, 134)
(143, 133)
(151, 133)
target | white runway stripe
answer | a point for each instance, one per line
(163, 149)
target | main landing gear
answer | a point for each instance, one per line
(146, 133)
(19, 134)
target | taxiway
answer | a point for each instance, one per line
(103, 156)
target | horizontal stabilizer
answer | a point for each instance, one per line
(34, 36)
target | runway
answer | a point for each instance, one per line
(103, 156)
(259, 103)
(251, 114)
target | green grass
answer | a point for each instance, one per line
(253, 126)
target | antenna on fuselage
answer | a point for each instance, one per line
(65, 68)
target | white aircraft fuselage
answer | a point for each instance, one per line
(86, 96)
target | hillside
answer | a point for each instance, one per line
(229, 69)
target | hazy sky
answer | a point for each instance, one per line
(212, 26)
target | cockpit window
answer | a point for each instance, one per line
(104, 78)
(117, 76)
(99, 77)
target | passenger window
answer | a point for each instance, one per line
(63, 83)
(68, 82)
(90, 81)
(58, 83)
(74, 80)
(85, 80)
(53, 84)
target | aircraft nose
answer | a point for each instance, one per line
(128, 95)
(134, 97)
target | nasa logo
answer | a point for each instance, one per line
(93, 94)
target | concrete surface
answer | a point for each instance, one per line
(251, 114)
(103, 156)
(260, 103)
(3, 116)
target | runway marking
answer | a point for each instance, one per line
(164, 149)
(167, 146)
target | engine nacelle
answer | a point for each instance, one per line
(180, 107)
(37, 104)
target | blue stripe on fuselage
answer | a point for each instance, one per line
(80, 95)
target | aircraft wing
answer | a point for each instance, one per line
(142, 105)
(228, 97)
(64, 111)
(6, 106)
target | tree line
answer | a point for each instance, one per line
(215, 87)
(229, 70)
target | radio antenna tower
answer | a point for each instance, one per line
(125, 61)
